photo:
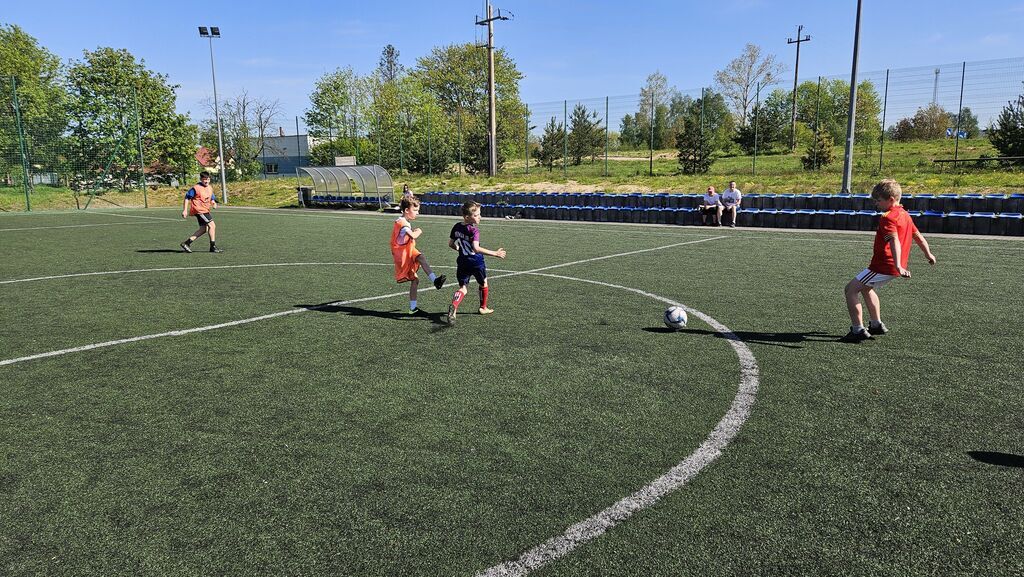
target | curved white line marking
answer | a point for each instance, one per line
(296, 311)
(596, 525)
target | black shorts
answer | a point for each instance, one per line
(471, 269)
(709, 210)
(204, 218)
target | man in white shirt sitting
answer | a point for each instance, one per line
(731, 198)
(712, 207)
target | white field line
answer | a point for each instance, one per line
(140, 216)
(180, 268)
(73, 226)
(596, 525)
(301, 310)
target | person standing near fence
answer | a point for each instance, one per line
(731, 198)
(198, 201)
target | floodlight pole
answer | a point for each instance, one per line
(492, 125)
(796, 73)
(216, 112)
(851, 116)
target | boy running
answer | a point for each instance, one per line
(403, 249)
(198, 201)
(465, 238)
(891, 255)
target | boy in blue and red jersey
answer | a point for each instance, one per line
(198, 201)
(465, 238)
(891, 255)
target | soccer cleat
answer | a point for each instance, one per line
(486, 311)
(439, 281)
(214, 249)
(856, 336)
(450, 319)
(185, 247)
(878, 328)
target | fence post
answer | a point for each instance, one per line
(21, 140)
(142, 163)
(526, 141)
(881, 138)
(757, 105)
(817, 107)
(298, 144)
(379, 144)
(959, 112)
(606, 136)
(650, 170)
(430, 146)
(401, 143)
(565, 139)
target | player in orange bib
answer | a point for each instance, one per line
(198, 201)
(408, 260)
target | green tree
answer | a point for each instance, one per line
(102, 89)
(456, 75)
(336, 103)
(831, 108)
(968, 122)
(389, 69)
(551, 144)
(407, 128)
(42, 104)
(928, 123)
(245, 121)
(585, 134)
(628, 137)
(1007, 133)
(820, 152)
(695, 147)
(772, 116)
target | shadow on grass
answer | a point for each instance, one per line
(435, 318)
(1001, 459)
(148, 250)
(788, 340)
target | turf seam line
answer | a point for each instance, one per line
(180, 268)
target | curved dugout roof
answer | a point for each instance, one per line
(368, 179)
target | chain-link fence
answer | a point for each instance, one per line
(922, 119)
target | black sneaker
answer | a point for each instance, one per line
(856, 336)
(185, 247)
(878, 328)
(214, 249)
(439, 281)
(450, 319)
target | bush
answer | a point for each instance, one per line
(820, 152)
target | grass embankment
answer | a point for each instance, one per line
(630, 171)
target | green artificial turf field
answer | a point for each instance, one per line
(309, 426)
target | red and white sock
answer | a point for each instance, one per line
(457, 299)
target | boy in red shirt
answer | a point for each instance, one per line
(198, 201)
(889, 260)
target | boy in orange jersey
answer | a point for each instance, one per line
(890, 259)
(403, 249)
(198, 201)
(465, 238)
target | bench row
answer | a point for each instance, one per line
(927, 221)
(946, 203)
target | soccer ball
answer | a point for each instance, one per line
(675, 318)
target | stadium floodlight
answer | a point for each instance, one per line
(214, 32)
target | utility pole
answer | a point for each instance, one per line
(796, 73)
(935, 87)
(492, 126)
(850, 121)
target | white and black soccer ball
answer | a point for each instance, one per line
(675, 318)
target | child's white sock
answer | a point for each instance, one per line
(412, 305)
(432, 276)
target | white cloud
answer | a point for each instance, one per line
(996, 40)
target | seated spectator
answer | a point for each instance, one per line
(712, 207)
(731, 199)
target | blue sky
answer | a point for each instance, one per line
(570, 50)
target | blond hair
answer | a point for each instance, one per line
(887, 189)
